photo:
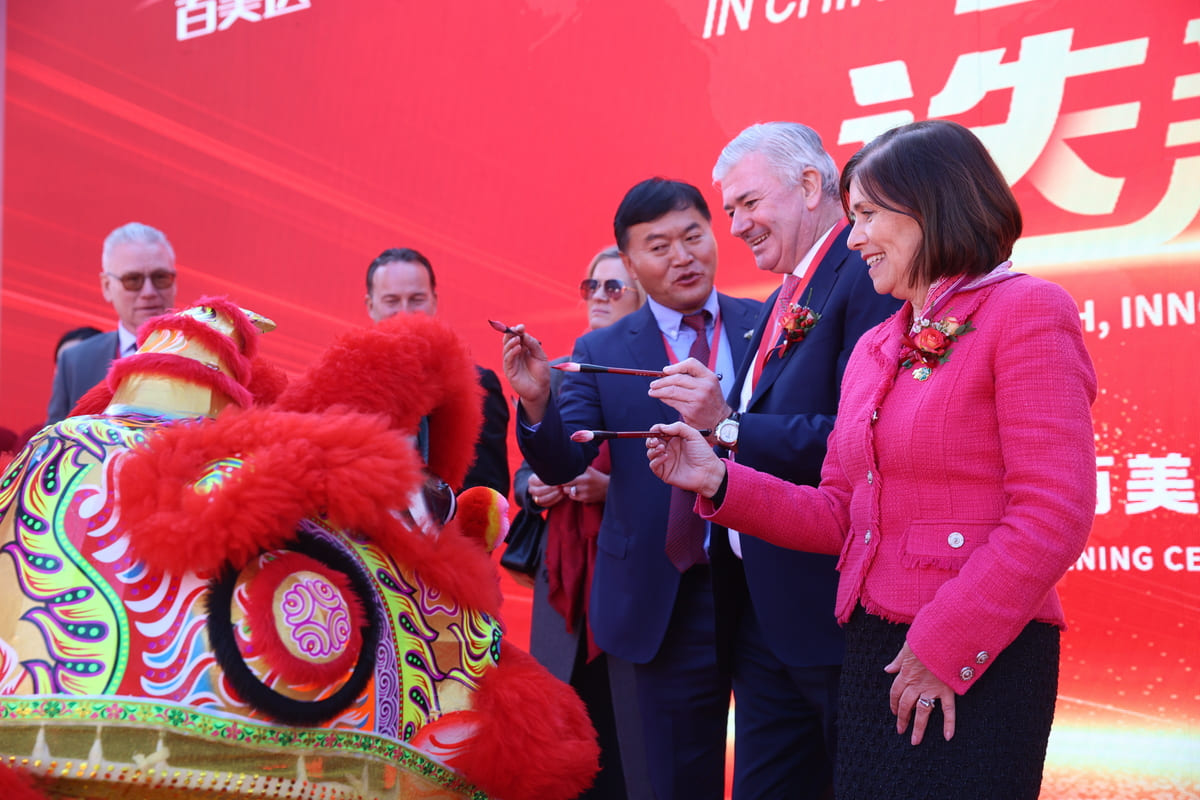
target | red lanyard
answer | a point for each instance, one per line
(769, 341)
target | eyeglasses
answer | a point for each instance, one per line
(134, 281)
(613, 288)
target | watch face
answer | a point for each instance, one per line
(727, 432)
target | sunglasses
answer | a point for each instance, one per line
(134, 281)
(613, 288)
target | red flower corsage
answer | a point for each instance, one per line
(797, 321)
(930, 345)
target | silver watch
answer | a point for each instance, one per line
(727, 432)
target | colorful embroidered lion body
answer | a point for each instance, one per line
(273, 601)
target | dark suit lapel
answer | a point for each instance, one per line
(644, 342)
(737, 321)
(816, 296)
(747, 362)
(645, 348)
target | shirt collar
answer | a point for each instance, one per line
(669, 319)
(802, 267)
(124, 339)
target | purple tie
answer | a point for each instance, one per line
(685, 530)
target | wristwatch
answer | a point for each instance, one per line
(727, 431)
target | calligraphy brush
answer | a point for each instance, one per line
(500, 326)
(573, 366)
(588, 436)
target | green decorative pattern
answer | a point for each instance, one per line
(182, 720)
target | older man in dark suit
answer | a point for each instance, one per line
(651, 601)
(138, 277)
(775, 606)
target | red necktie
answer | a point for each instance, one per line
(787, 294)
(685, 530)
(792, 287)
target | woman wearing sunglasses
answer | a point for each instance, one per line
(559, 639)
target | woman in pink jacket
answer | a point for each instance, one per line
(959, 484)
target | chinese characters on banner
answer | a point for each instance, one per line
(195, 18)
(1050, 139)
(1154, 482)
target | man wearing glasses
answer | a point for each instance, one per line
(138, 277)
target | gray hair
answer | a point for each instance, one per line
(789, 147)
(134, 233)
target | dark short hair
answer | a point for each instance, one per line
(941, 175)
(75, 335)
(394, 254)
(651, 199)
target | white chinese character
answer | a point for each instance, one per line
(974, 6)
(877, 83)
(1160, 483)
(195, 18)
(277, 8)
(1186, 87)
(1170, 217)
(231, 11)
(1037, 79)
(1103, 485)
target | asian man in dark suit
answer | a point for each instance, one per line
(138, 278)
(401, 281)
(775, 606)
(647, 607)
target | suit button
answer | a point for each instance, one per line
(955, 540)
(966, 673)
(870, 478)
(867, 537)
(982, 657)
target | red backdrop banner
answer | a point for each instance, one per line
(282, 144)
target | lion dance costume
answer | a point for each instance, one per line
(222, 584)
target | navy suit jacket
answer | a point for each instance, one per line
(783, 432)
(634, 584)
(79, 368)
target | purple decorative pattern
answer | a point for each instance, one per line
(318, 616)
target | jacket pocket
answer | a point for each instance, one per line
(943, 544)
(612, 542)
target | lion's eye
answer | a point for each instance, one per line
(439, 499)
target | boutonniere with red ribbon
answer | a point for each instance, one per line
(796, 323)
(930, 344)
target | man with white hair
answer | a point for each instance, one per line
(775, 623)
(137, 276)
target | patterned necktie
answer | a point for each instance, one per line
(774, 326)
(787, 294)
(685, 530)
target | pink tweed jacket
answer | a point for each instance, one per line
(956, 503)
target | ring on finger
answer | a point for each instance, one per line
(927, 702)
